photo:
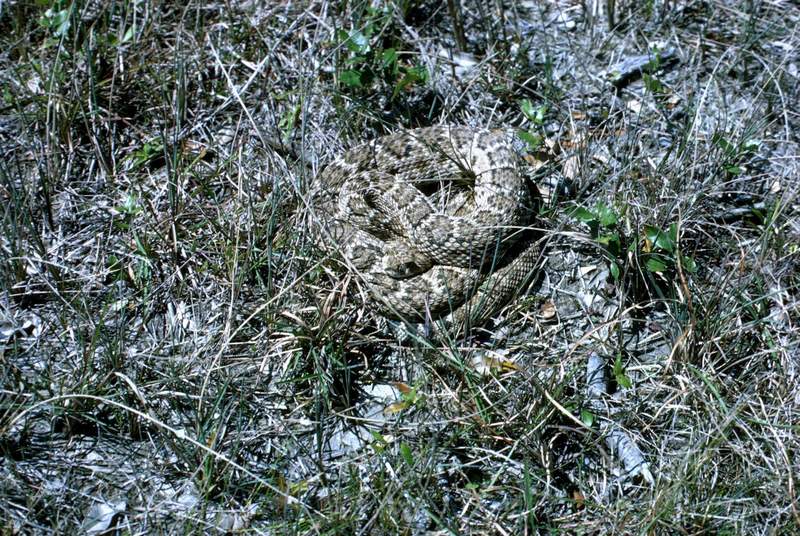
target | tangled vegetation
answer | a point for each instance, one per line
(177, 356)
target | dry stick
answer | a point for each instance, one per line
(611, 14)
(458, 26)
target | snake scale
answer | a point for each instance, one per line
(434, 221)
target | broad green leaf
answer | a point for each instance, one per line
(587, 417)
(733, 170)
(534, 114)
(607, 239)
(288, 120)
(57, 21)
(673, 232)
(540, 113)
(606, 215)
(356, 60)
(389, 59)
(612, 242)
(128, 35)
(584, 215)
(533, 140)
(751, 145)
(652, 84)
(351, 78)
(527, 109)
(726, 146)
(619, 373)
(613, 267)
(624, 381)
(408, 456)
(688, 264)
(358, 42)
(411, 76)
(380, 442)
(659, 239)
(655, 265)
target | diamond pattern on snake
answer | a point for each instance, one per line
(434, 221)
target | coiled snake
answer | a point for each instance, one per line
(434, 221)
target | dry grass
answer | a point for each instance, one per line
(177, 357)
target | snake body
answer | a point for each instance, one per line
(433, 220)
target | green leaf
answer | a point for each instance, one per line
(607, 239)
(147, 152)
(652, 84)
(113, 264)
(357, 42)
(751, 146)
(611, 241)
(534, 114)
(584, 215)
(688, 264)
(128, 35)
(389, 60)
(57, 21)
(587, 417)
(613, 267)
(655, 61)
(287, 122)
(533, 140)
(733, 170)
(606, 215)
(655, 265)
(408, 456)
(659, 239)
(673, 232)
(527, 109)
(624, 381)
(540, 113)
(726, 146)
(356, 60)
(619, 373)
(351, 78)
(411, 76)
(379, 444)
(130, 206)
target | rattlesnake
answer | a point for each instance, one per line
(433, 220)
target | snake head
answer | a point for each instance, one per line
(405, 264)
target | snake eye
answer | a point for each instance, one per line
(404, 270)
(405, 264)
(372, 198)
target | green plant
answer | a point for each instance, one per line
(602, 222)
(56, 19)
(734, 154)
(536, 116)
(657, 250)
(621, 378)
(660, 250)
(369, 61)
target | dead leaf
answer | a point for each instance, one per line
(547, 310)
(579, 499)
(494, 363)
(402, 387)
(394, 409)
